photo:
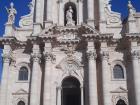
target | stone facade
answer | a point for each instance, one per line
(71, 52)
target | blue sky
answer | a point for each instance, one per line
(22, 8)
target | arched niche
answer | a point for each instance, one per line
(66, 8)
(71, 92)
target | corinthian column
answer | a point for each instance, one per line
(36, 77)
(105, 71)
(136, 71)
(47, 80)
(5, 75)
(93, 95)
(90, 6)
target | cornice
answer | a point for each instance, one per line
(133, 36)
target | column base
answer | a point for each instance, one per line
(91, 22)
(48, 23)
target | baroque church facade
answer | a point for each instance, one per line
(71, 52)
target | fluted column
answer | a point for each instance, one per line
(93, 96)
(90, 6)
(59, 95)
(136, 71)
(5, 75)
(105, 74)
(36, 77)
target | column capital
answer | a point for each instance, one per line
(91, 55)
(36, 57)
(104, 55)
(135, 54)
(6, 58)
(49, 56)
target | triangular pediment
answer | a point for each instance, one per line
(21, 91)
(120, 90)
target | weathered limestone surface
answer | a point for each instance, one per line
(77, 41)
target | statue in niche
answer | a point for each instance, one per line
(69, 17)
(11, 13)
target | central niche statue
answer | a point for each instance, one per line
(69, 17)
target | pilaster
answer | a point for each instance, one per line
(80, 12)
(91, 18)
(61, 13)
(49, 12)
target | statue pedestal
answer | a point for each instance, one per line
(70, 23)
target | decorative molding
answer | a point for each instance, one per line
(104, 55)
(27, 20)
(70, 66)
(135, 54)
(36, 57)
(49, 57)
(117, 97)
(113, 18)
(91, 55)
(120, 90)
(6, 58)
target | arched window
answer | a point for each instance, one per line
(118, 72)
(121, 102)
(23, 74)
(21, 103)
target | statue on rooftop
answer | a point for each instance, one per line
(131, 9)
(11, 13)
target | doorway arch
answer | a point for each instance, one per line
(121, 102)
(71, 92)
